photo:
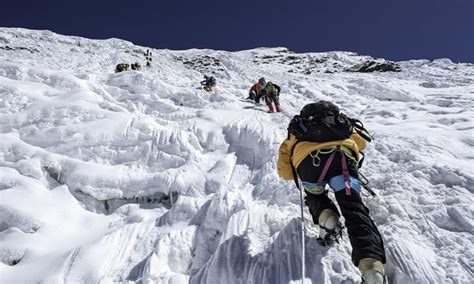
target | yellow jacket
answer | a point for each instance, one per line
(304, 148)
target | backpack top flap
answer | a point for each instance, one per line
(329, 127)
(320, 122)
(319, 108)
(323, 122)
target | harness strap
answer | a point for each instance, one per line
(326, 167)
(345, 173)
(328, 163)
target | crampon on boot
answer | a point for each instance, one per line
(330, 229)
(330, 236)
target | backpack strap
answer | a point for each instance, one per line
(293, 170)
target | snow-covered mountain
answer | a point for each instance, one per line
(144, 177)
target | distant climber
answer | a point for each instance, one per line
(148, 57)
(136, 66)
(256, 88)
(271, 94)
(208, 83)
(324, 147)
(122, 67)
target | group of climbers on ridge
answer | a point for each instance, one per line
(269, 91)
(135, 66)
(125, 67)
(148, 57)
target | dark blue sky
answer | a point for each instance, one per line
(393, 29)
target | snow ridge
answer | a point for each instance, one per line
(144, 177)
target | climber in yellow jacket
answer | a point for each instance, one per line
(323, 148)
(304, 148)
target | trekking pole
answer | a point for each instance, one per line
(303, 233)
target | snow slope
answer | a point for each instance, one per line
(89, 158)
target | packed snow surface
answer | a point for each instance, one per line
(144, 177)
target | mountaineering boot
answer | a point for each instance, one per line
(330, 229)
(270, 108)
(277, 108)
(372, 271)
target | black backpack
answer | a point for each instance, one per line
(323, 122)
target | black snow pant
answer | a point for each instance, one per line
(363, 234)
(252, 96)
(272, 97)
